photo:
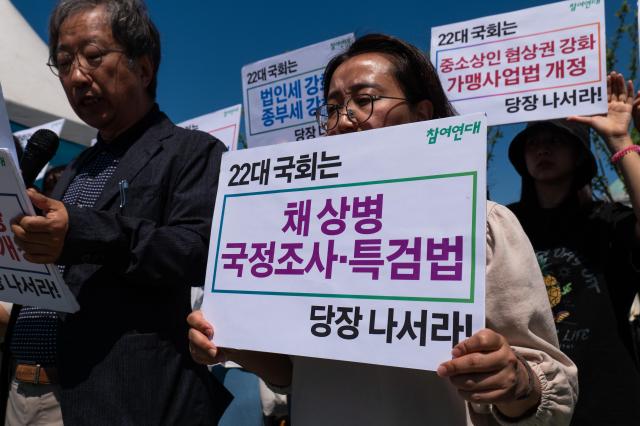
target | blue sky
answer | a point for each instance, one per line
(205, 44)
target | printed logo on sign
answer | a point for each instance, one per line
(341, 44)
(585, 4)
(231, 111)
(456, 130)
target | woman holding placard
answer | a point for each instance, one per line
(589, 250)
(512, 371)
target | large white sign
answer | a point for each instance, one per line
(368, 247)
(281, 94)
(534, 64)
(21, 281)
(224, 124)
(6, 140)
(24, 136)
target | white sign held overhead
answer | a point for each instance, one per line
(345, 255)
(6, 140)
(24, 136)
(21, 281)
(282, 93)
(534, 64)
(224, 124)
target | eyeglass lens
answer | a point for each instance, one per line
(358, 109)
(89, 58)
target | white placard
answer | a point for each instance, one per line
(21, 281)
(365, 226)
(534, 64)
(24, 135)
(6, 140)
(224, 124)
(282, 93)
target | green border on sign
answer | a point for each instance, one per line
(470, 299)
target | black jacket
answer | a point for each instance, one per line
(123, 358)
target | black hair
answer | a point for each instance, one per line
(131, 26)
(413, 71)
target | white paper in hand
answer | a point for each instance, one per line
(21, 281)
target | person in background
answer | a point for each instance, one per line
(589, 251)
(511, 372)
(128, 225)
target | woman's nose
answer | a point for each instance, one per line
(345, 124)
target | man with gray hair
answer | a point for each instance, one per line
(128, 224)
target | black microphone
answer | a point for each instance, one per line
(40, 149)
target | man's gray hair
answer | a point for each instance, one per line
(131, 26)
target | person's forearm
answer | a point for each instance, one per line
(275, 369)
(630, 167)
(131, 245)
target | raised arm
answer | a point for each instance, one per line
(614, 129)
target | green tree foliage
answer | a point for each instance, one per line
(242, 140)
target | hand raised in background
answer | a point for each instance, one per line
(614, 126)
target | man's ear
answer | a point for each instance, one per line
(145, 69)
(424, 110)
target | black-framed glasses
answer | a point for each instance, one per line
(89, 58)
(358, 110)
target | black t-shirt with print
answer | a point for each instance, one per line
(589, 260)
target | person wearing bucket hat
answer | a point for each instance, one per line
(586, 167)
(589, 251)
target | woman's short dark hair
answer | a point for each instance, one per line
(417, 77)
(131, 26)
